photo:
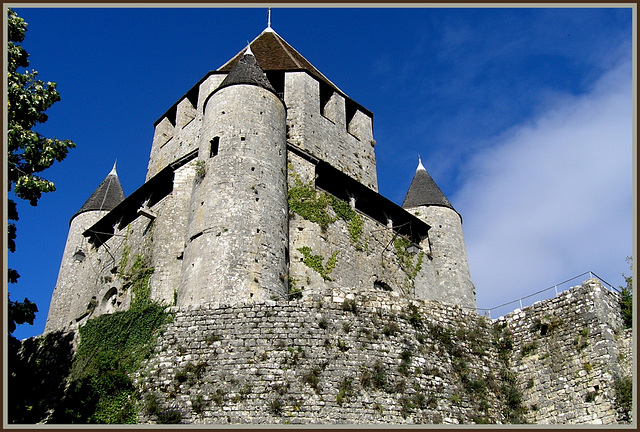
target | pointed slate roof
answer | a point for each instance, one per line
(247, 71)
(424, 191)
(274, 53)
(107, 195)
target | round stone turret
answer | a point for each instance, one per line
(237, 236)
(65, 307)
(425, 200)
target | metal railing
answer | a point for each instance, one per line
(540, 295)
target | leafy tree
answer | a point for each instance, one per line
(29, 152)
(626, 297)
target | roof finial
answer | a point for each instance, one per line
(268, 29)
(248, 50)
(420, 166)
(113, 170)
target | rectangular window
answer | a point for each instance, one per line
(215, 143)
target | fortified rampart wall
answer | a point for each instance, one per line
(568, 352)
(382, 359)
(370, 359)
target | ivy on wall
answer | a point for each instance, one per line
(315, 262)
(410, 264)
(309, 204)
(315, 207)
(111, 348)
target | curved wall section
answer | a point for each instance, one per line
(238, 223)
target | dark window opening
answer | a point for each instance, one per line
(325, 94)
(351, 108)
(276, 78)
(544, 328)
(215, 144)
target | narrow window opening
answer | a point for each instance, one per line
(351, 109)
(325, 94)
(543, 329)
(215, 144)
(276, 78)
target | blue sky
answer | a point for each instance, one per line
(524, 117)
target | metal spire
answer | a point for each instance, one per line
(113, 170)
(420, 166)
(248, 50)
(268, 20)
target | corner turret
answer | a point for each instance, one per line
(426, 200)
(237, 234)
(65, 309)
(106, 196)
(247, 71)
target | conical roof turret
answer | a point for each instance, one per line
(424, 191)
(247, 71)
(106, 196)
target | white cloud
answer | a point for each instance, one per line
(552, 198)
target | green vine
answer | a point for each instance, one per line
(111, 348)
(314, 206)
(409, 264)
(315, 262)
(139, 276)
(355, 223)
(294, 292)
(201, 169)
(124, 259)
(311, 205)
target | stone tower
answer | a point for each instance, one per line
(425, 200)
(237, 231)
(71, 282)
(261, 185)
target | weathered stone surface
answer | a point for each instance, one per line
(426, 363)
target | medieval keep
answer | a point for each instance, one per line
(261, 185)
(295, 292)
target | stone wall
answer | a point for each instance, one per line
(375, 360)
(72, 276)
(237, 231)
(364, 253)
(382, 359)
(448, 255)
(349, 148)
(567, 353)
